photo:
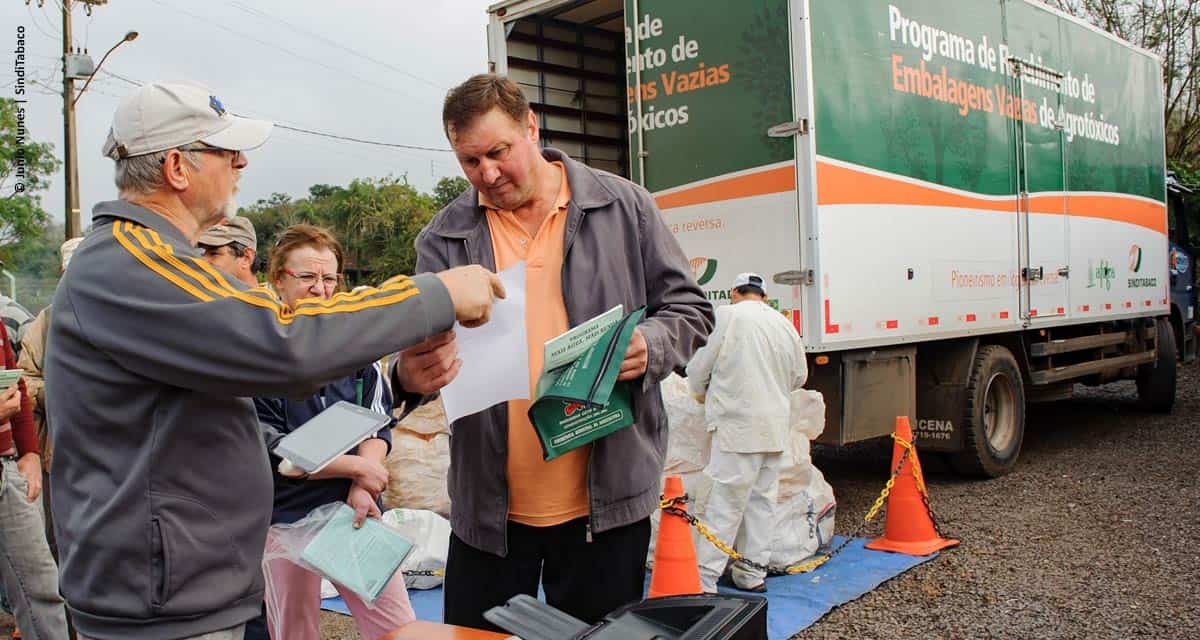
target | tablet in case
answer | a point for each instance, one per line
(334, 431)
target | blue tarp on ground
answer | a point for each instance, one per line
(793, 602)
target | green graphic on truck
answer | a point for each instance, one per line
(930, 95)
(706, 80)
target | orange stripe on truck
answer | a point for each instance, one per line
(842, 185)
(775, 180)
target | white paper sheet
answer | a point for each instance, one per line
(495, 357)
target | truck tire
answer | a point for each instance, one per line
(994, 416)
(1156, 381)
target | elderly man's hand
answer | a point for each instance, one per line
(10, 402)
(472, 289)
(30, 468)
(636, 357)
(429, 365)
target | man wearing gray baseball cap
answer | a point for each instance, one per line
(160, 486)
(232, 247)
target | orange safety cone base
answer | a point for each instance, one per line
(676, 570)
(909, 529)
(921, 548)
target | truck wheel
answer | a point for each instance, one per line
(1156, 381)
(994, 419)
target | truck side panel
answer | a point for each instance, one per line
(950, 203)
(712, 83)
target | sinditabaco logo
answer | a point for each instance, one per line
(704, 269)
(1135, 266)
(1135, 258)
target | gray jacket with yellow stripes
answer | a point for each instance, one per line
(161, 486)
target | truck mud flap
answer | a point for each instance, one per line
(943, 369)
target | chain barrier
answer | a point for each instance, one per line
(669, 505)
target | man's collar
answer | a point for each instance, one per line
(124, 210)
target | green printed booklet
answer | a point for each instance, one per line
(578, 399)
(362, 560)
(9, 377)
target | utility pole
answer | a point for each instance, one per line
(71, 70)
(70, 154)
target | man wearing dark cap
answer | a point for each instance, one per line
(746, 373)
(161, 488)
(231, 247)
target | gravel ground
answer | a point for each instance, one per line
(1095, 535)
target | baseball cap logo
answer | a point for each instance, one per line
(216, 105)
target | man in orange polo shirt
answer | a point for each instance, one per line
(579, 524)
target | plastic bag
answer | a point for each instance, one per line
(430, 534)
(688, 439)
(324, 542)
(417, 471)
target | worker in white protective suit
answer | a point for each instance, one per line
(754, 359)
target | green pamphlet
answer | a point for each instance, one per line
(578, 399)
(362, 560)
(9, 377)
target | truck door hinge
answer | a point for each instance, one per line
(789, 129)
(796, 277)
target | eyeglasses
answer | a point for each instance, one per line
(212, 252)
(233, 159)
(329, 280)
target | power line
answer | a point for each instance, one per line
(376, 157)
(38, 26)
(312, 132)
(121, 78)
(87, 28)
(50, 22)
(334, 43)
(377, 143)
(339, 72)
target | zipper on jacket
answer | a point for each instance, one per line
(587, 530)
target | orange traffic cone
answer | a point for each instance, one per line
(676, 571)
(909, 528)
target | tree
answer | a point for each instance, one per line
(24, 165)
(447, 190)
(376, 220)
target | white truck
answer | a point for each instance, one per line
(961, 203)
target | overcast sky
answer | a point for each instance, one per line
(371, 70)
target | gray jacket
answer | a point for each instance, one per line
(617, 250)
(161, 486)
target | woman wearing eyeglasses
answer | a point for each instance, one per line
(306, 263)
